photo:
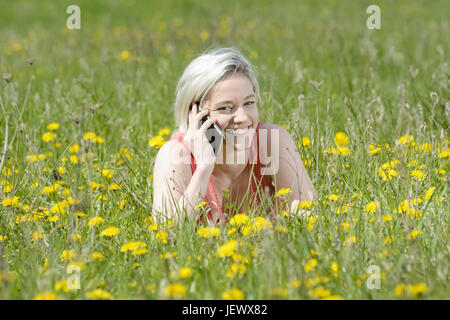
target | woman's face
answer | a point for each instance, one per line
(232, 102)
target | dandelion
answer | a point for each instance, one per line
(156, 142)
(227, 249)
(200, 205)
(114, 187)
(417, 174)
(236, 269)
(11, 202)
(341, 139)
(371, 207)
(429, 193)
(162, 235)
(67, 255)
(74, 148)
(106, 173)
(350, 240)
(53, 126)
(406, 140)
(164, 132)
(45, 296)
(132, 246)
(256, 225)
(335, 268)
(305, 142)
(444, 154)
(36, 236)
(204, 35)
(95, 221)
(282, 192)
(239, 219)
(209, 232)
(373, 149)
(185, 272)
(110, 232)
(417, 289)
(233, 294)
(89, 136)
(319, 292)
(387, 217)
(306, 204)
(61, 286)
(175, 290)
(125, 55)
(97, 256)
(310, 265)
(98, 294)
(414, 234)
(48, 136)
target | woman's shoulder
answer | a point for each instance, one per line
(173, 150)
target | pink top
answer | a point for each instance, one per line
(255, 167)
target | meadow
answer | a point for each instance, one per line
(85, 111)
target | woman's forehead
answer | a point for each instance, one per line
(235, 86)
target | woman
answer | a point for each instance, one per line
(253, 157)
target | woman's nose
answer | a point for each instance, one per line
(240, 115)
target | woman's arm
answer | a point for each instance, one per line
(291, 172)
(175, 188)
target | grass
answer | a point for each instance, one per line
(369, 90)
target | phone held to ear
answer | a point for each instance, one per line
(213, 133)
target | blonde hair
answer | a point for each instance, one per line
(202, 74)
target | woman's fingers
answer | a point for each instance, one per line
(206, 125)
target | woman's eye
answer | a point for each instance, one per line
(226, 108)
(249, 103)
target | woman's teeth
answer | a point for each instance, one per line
(238, 131)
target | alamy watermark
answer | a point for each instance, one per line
(374, 20)
(74, 20)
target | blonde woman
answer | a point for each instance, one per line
(217, 99)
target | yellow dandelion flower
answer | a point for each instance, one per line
(204, 35)
(125, 55)
(371, 207)
(444, 154)
(164, 132)
(227, 249)
(45, 296)
(417, 289)
(319, 292)
(239, 219)
(132, 246)
(11, 202)
(156, 142)
(406, 140)
(341, 139)
(282, 192)
(96, 221)
(97, 256)
(67, 255)
(48, 136)
(417, 174)
(98, 294)
(233, 294)
(53, 126)
(110, 232)
(200, 205)
(162, 235)
(175, 290)
(414, 234)
(89, 136)
(185, 272)
(374, 149)
(209, 232)
(310, 265)
(236, 269)
(74, 148)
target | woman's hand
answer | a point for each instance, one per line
(195, 139)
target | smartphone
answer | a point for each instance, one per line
(213, 133)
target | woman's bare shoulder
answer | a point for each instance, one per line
(173, 155)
